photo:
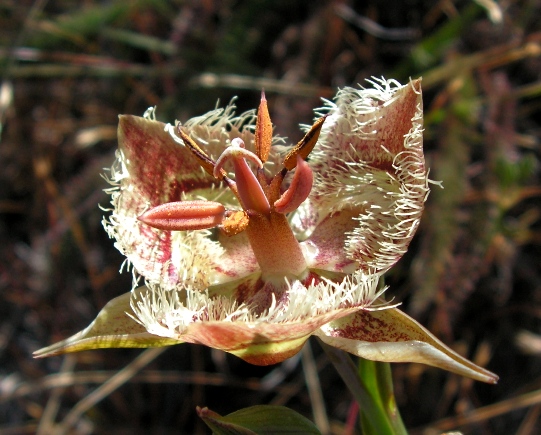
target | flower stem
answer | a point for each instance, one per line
(379, 381)
(371, 387)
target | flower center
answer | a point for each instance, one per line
(264, 204)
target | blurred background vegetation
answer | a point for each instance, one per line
(472, 275)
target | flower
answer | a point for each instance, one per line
(249, 246)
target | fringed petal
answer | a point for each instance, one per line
(228, 317)
(390, 335)
(325, 247)
(369, 159)
(153, 169)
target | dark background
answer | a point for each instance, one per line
(472, 274)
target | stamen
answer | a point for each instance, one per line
(263, 130)
(184, 215)
(204, 160)
(298, 191)
(305, 146)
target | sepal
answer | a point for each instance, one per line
(113, 327)
(389, 335)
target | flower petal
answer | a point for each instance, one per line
(113, 327)
(259, 343)
(263, 322)
(369, 158)
(325, 247)
(153, 169)
(390, 335)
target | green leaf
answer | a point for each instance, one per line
(259, 419)
(113, 327)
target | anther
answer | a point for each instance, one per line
(305, 146)
(184, 215)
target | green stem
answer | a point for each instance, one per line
(372, 389)
(379, 381)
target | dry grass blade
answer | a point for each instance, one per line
(311, 376)
(46, 424)
(482, 414)
(492, 58)
(107, 388)
(234, 81)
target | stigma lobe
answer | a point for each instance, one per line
(298, 191)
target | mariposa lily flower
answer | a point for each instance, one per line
(251, 247)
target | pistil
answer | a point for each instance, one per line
(275, 247)
(250, 192)
(300, 188)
